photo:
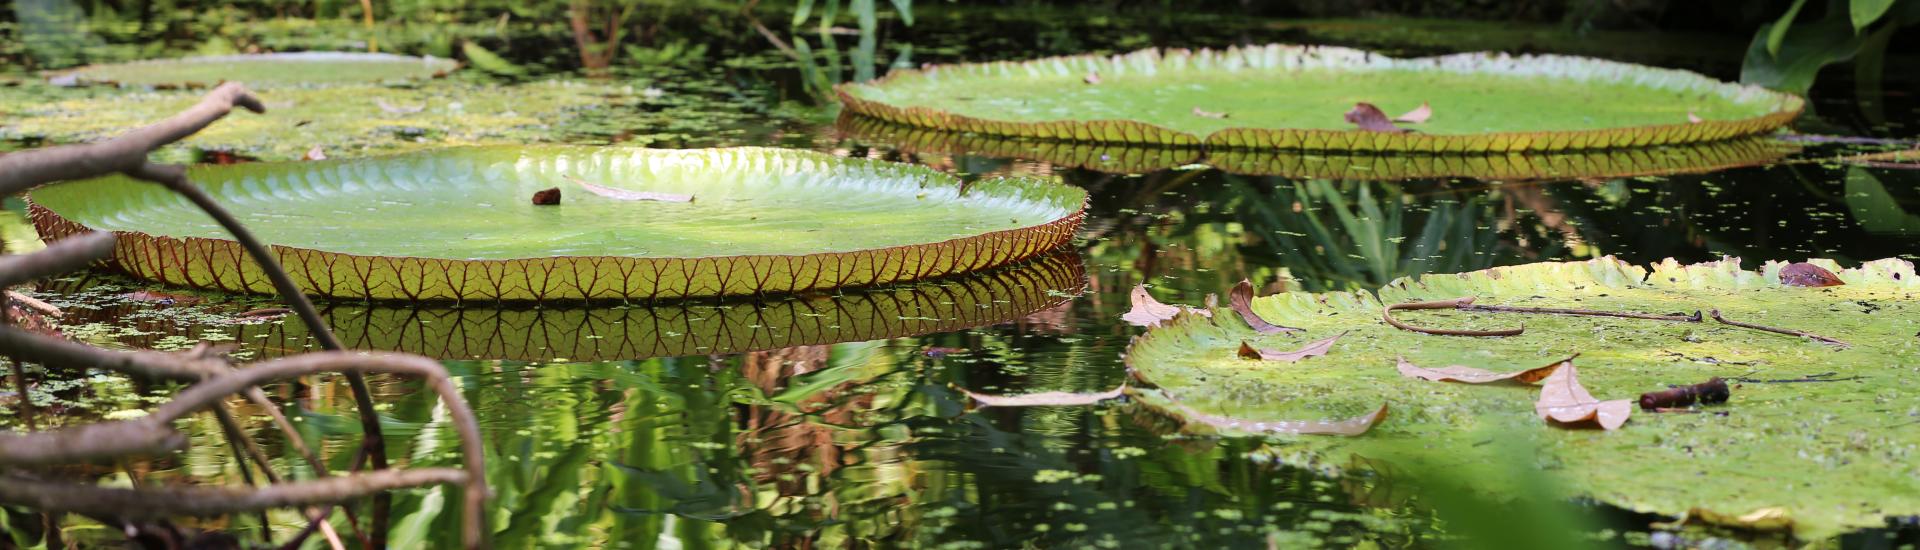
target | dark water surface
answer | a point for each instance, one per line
(838, 421)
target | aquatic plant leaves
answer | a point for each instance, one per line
(1370, 118)
(456, 224)
(1355, 426)
(1806, 274)
(1281, 97)
(1564, 402)
(1148, 312)
(1470, 375)
(268, 70)
(1045, 399)
(1795, 450)
(1315, 348)
(628, 194)
(1240, 300)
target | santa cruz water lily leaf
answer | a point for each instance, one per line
(667, 330)
(456, 224)
(1135, 158)
(1834, 454)
(267, 70)
(1292, 97)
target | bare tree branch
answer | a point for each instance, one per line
(93, 442)
(57, 353)
(69, 254)
(139, 504)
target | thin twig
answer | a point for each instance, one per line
(1786, 331)
(69, 254)
(1695, 318)
(199, 501)
(1455, 303)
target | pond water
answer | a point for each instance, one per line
(840, 420)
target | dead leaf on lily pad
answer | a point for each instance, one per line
(1694, 119)
(1046, 399)
(314, 154)
(1806, 274)
(1564, 402)
(1207, 114)
(1148, 312)
(1312, 349)
(1470, 375)
(1417, 115)
(1370, 118)
(1762, 519)
(1093, 77)
(1240, 299)
(629, 195)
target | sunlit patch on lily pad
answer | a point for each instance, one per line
(1816, 430)
(266, 70)
(1294, 98)
(458, 224)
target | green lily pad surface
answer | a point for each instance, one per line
(1295, 97)
(670, 330)
(460, 224)
(1134, 158)
(1827, 433)
(267, 70)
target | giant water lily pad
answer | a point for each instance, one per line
(460, 224)
(1135, 158)
(1294, 97)
(667, 330)
(1824, 432)
(267, 70)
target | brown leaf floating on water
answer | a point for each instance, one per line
(1148, 312)
(1093, 77)
(1315, 348)
(1240, 299)
(1370, 118)
(1208, 114)
(1806, 274)
(1046, 398)
(546, 197)
(1694, 119)
(1417, 115)
(629, 195)
(1563, 402)
(314, 154)
(1470, 375)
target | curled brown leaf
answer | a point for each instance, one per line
(1417, 115)
(1315, 348)
(1093, 77)
(1371, 119)
(1806, 274)
(1148, 312)
(1470, 375)
(1564, 402)
(1240, 299)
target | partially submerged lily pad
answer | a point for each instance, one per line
(1293, 97)
(456, 224)
(1135, 158)
(1832, 450)
(266, 70)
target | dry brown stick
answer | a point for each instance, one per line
(197, 501)
(90, 443)
(66, 354)
(1455, 303)
(1695, 318)
(69, 254)
(1786, 331)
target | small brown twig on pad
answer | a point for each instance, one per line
(1695, 318)
(1455, 303)
(1786, 331)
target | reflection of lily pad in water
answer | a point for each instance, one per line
(1819, 447)
(459, 224)
(674, 330)
(1291, 97)
(1130, 158)
(268, 70)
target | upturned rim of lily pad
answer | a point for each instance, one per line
(1292, 57)
(1126, 158)
(221, 264)
(433, 67)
